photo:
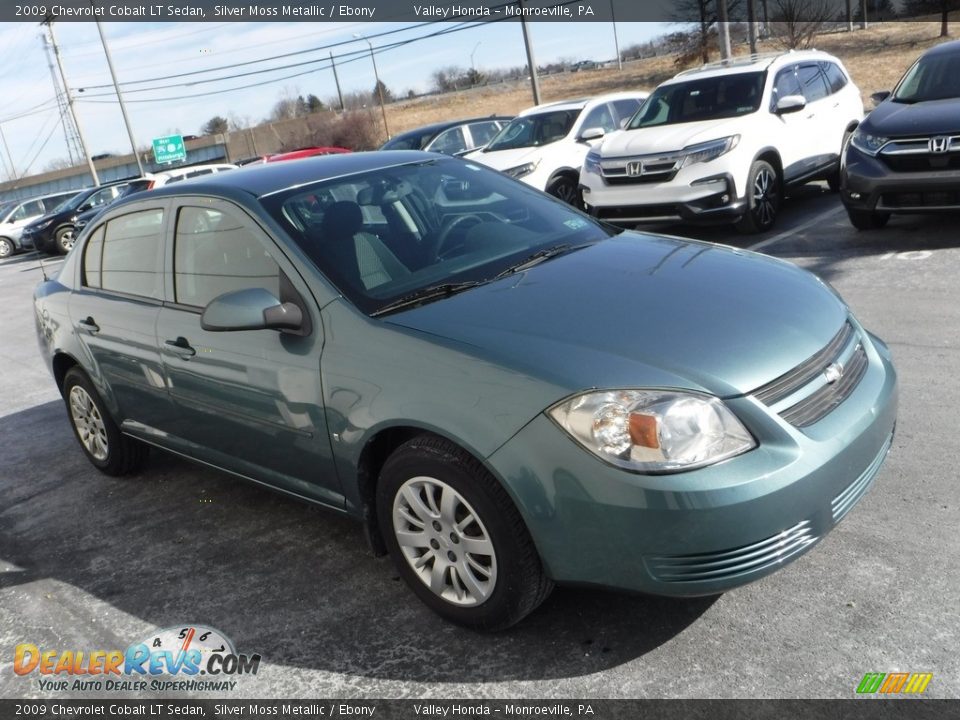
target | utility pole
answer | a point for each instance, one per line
(116, 86)
(69, 129)
(383, 107)
(13, 169)
(531, 63)
(616, 42)
(723, 26)
(336, 79)
(752, 25)
(66, 89)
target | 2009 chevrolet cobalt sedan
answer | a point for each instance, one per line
(507, 392)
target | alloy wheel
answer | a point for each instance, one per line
(765, 197)
(88, 422)
(66, 238)
(6, 248)
(444, 541)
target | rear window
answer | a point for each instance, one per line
(132, 260)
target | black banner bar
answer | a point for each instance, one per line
(338, 709)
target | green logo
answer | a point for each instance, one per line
(169, 149)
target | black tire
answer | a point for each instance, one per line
(7, 248)
(833, 179)
(764, 194)
(121, 455)
(64, 239)
(566, 188)
(518, 583)
(867, 220)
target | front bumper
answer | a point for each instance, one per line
(708, 200)
(708, 530)
(867, 183)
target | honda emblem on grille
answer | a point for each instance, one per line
(833, 373)
(939, 144)
(635, 168)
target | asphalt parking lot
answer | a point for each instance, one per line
(88, 561)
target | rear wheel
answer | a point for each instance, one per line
(65, 238)
(763, 198)
(456, 538)
(867, 219)
(101, 440)
(833, 179)
(6, 247)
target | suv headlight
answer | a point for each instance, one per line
(520, 171)
(865, 142)
(707, 151)
(653, 431)
(592, 163)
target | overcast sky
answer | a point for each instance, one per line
(144, 51)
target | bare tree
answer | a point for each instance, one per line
(797, 22)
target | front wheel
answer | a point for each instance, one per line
(65, 238)
(763, 199)
(110, 451)
(867, 219)
(566, 188)
(6, 247)
(456, 538)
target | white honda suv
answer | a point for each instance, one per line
(544, 146)
(722, 143)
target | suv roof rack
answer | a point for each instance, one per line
(741, 60)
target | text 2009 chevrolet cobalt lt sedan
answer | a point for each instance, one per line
(507, 392)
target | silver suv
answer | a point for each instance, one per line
(16, 215)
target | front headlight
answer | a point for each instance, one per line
(521, 170)
(707, 151)
(42, 225)
(870, 144)
(653, 431)
(592, 163)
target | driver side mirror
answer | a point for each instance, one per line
(790, 104)
(594, 133)
(251, 309)
(83, 208)
(879, 97)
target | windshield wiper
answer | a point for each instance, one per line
(539, 257)
(422, 295)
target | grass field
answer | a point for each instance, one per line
(875, 57)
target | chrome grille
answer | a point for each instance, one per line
(815, 395)
(817, 405)
(736, 561)
(640, 169)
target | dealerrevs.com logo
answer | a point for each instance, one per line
(188, 658)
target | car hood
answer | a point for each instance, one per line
(663, 139)
(643, 310)
(503, 159)
(933, 117)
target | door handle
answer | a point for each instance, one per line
(89, 325)
(181, 348)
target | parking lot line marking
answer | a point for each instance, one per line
(799, 228)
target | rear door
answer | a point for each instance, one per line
(793, 133)
(819, 114)
(248, 401)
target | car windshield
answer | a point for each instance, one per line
(933, 77)
(533, 130)
(390, 234)
(71, 203)
(712, 98)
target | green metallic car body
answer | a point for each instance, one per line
(317, 414)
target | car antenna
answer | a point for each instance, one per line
(43, 270)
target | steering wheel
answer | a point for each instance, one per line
(459, 223)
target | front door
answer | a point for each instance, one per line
(249, 401)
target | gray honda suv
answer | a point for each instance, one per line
(905, 156)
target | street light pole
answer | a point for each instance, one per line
(116, 86)
(531, 63)
(383, 107)
(66, 89)
(473, 65)
(616, 42)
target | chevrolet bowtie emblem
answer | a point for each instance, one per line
(833, 373)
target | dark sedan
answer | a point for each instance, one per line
(451, 137)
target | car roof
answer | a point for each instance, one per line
(439, 127)
(748, 63)
(580, 103)
(270, 178)
(173, 172)
(947, 48)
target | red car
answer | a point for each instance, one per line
(305, 152)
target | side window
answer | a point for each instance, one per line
(813, 83)
(483, 132)
(449, 142)
(216, 253)
(785, 84)
(835, 76)
(626, 108)
(600, 117)
(92, 258)
(28, 210)
(132, 254)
